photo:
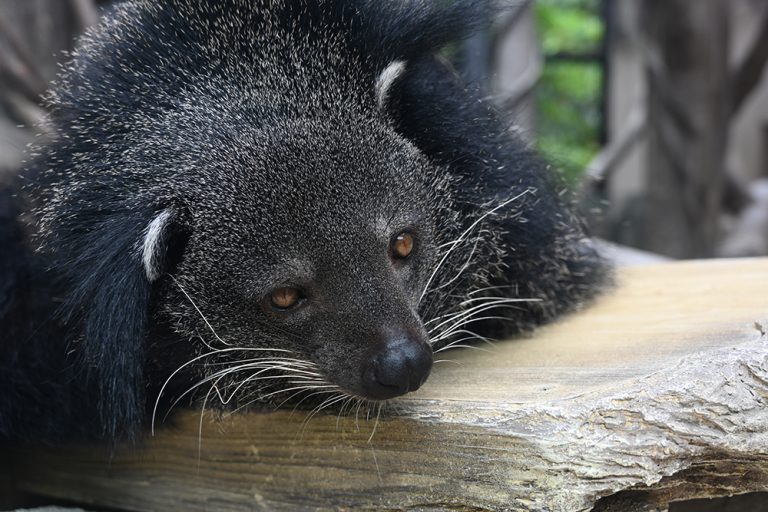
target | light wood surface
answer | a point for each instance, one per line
(658, 392)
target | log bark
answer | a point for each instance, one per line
(659, 392)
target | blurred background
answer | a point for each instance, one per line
(655, 112)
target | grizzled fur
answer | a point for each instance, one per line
(210, 151)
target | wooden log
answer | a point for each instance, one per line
(657, 393)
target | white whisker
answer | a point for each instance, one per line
(497, 287)
(464, 235)
(194, 360)
(375, 425)
(331, 389)
(298, 390)
(464, 322)
(327, 403)
(464, 267)
(474, 310)
(474, 335)
(200, 430)
(453, 345)
(198, 310)
(478, 299)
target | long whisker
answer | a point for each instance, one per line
(474, 335)
(496, 287)
(257, 376)
(298, 363)
(325, 386)
(298, 390)
(375, 425)
(465, 234)
(455, 328)
(474, 312)
(360, 403)
(193, 361)
(198, 310)
(217, 377)
(343, 408)
(200, 430)
(327, 403)
(471, 347)
(501, 303)
(263, 365)
(464, 267)
(468, 338)
(207, 345)
(307, 388)
(477, 299)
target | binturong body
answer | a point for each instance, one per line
(266, 202)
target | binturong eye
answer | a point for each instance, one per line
(285, 298)
(402, 245)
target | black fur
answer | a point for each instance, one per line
(248, 134)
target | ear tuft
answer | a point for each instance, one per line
(386, 81)
(155, 244)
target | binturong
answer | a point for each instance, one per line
(258, 202)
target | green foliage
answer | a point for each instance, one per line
(569, 117)
(569, 25)
(568, 96)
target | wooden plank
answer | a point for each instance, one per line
(658, 392)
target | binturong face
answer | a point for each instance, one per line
(305, 259)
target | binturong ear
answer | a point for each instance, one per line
(114, 293)
(155, 250)
(386, 87)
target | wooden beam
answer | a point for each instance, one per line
(658, 392)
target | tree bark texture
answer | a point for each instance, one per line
(657, 393)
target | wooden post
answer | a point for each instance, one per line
(517, 64)
(657, 393)
(688, 75)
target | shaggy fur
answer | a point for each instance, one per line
(210, 151)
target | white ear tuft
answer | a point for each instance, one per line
(154, 245)
(386, 80)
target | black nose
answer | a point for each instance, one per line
(401, 365)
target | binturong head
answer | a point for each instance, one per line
(315, 241)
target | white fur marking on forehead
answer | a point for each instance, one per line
(386, 80)
(154, 246)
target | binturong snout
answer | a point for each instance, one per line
(398, 365)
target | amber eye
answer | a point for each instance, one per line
(285, 298)
(402, 246)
